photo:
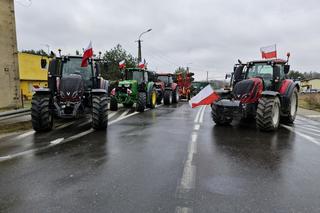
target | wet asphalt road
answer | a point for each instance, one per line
(170, 159)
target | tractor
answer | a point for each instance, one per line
(184, 82)
(167, 89)
(137, 87)
(72, 92)
(258, 90)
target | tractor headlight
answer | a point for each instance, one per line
(127, 85)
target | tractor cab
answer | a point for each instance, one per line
(136, 74)
(165, 78)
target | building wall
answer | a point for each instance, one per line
(312, 83)
(31, 73)
(9, 73)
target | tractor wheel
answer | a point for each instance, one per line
(217, 118)
(129, 105)
(141, 103)
(167, 99)
(159, 99)
(153, 99)
(175, 95)
(41, 115)
(268, 114)
(289, 119)
(99, 112)
(113, 104)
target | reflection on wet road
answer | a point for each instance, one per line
(170, 159)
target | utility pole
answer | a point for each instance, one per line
(139, 44)
(207, 76)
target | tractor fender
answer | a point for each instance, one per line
(286, 89)
(270, 94)
(42, 91)
(99, 91)
(150, 87)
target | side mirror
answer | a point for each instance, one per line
(227, 76)
(286, 69)
(276, 74)
(43, 63)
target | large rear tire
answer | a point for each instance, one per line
(167, 98)
(218, 118)
(141, 103)
(268, 114)
(99, 112)
(175, 95)
(41, 114)
(113, 104)
(293, 106)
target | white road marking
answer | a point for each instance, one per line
(196, 127)
(60, 140)
(85, 123)
(202, 114)
(309, 132)
(111, 115)
(183, 210)
(65, 125)
(196, 120)
(124, 113)
(309, 138)
(26, 134)
(56, 141)
(310, 128)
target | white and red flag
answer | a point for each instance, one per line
(122, 64)
(205, 97)
(88, 53)
(269, 51)
(141, 65)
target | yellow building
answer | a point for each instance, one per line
(313, 83)
(31, 73)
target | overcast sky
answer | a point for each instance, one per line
(206, 35)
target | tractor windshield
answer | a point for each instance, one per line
(165, 79)
(134, 75)
(73, 66)
(260, 70)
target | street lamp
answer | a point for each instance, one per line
(139, 44)
(48, 47)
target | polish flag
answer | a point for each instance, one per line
(122, 64)
(88, 53)
(141, 65)
(269, 51)
(205, 97)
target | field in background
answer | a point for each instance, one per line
(310, 101)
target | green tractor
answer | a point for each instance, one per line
(137, 87)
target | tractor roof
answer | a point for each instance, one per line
(277, 61)
(165, 74)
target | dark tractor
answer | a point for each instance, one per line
(259, 90)
(169, 91)
(72, 92)
(137, 87)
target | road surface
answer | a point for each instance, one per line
(169, 159)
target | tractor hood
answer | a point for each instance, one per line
(127, 83)
(249, 90)
(71, 88)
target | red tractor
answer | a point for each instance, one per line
(184, 81)
(167, 89)
(260, 90)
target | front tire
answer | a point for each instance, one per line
(167, 99)
(219, 119)
(41, 114)
(141, 103)
(99, 112)
(175, 95)
(153, 99)
(268, 114)
(113, 104)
